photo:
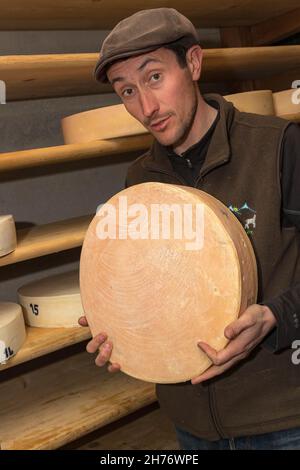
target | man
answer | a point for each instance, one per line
(153, 61)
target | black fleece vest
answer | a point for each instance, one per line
(241, 169)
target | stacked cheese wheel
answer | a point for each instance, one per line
(103, 123)
(114, 121)
(53, 301)
(12, 330)
(158, 287)
(8, 238)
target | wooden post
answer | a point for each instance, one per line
(239, 36)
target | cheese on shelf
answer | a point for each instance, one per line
(12, 330)
(257, 101)
(287, 104)
(107, 122)
(8, 237)
(52, 302)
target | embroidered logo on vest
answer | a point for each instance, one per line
(246, 216)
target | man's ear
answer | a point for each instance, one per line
(194, 58)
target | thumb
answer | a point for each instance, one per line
(246, 320)
(231, 331)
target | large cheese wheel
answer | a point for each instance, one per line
(12, 330)
(52, 302)
(102, 123)
(8, 237)
(287, 104)
(157, 293)
(258, 101)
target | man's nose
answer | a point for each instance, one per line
(149, 103)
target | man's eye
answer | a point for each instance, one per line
(127, 92)
(155, 77)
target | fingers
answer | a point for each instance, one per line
(104, 354)
(83, 321)
(245, 333)
(219, 358)
(114, 367)
(95, 343)
(238, 326)
(244, 343)
(100, 344)
(235, 351)
(214, 370)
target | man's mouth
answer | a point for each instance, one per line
(160, 125)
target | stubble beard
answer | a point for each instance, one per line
(182, 131)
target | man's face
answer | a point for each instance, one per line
(158, 93)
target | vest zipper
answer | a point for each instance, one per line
(189, 163)
(210, 386)
(213, 411)
(211, 391)
(173, 175)
(199, 179)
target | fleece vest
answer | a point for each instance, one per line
(242, 169)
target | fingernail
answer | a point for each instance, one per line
(101, 337)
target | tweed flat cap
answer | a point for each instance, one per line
(144, 31)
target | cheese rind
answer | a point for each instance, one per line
(107, 122)
(12, 330)
(256, 101)
(52, 302)
(287, 104)
(110, 122)
(8, 236)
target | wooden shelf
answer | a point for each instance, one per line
(49, 75)
(88, 14)
(276, 28)
(47, 239)
(11, 161)
(152, 430)
(41, 341)
(53, 405)
(40, 76)
(243, 63)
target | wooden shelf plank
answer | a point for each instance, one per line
(58, 403)
(150, 431)
(49, 75)
(73, 152)
(41, 341)
(47, 239)
(39, 76)
(88, 14)
(275, 29)
(242, 63)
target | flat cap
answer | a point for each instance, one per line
(144, 31)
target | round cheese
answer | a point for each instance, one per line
(162, 267)
(8, 237)
(52, 302)
(287, 104)
(111, 122)
(12, 330)
(103, 123)
(258, 102)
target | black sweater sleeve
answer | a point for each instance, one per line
(286, 307)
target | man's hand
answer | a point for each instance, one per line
(244, 334)
(94, 345)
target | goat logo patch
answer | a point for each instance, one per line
(246, 215)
